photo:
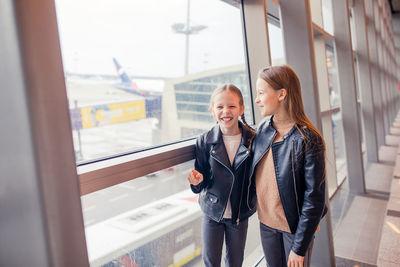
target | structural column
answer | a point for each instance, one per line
(376, 86)
(380, 48)
(296, 26)
(348, 96)
(365, 74)
(41, 221)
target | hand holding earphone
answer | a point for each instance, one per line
(195, 177)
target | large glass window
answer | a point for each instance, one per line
(352, 30)
(153, 220)
(276, 44)
(140, 73)
(150, 221)
(327, 16)
(337, 123)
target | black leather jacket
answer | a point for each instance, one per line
(299, 162)
(221, 181)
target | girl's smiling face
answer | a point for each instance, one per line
(226, 109)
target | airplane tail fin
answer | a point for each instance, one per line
(122, 74)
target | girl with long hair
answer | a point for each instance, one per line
(288, 170)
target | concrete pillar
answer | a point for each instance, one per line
(365, 75)
(41, 221)
(348, 96)
(376, 85)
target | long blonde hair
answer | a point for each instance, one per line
(283, 76)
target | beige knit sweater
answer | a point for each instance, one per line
(269, 206)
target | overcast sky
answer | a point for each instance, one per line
(138, 33)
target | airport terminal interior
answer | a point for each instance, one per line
(101, 103)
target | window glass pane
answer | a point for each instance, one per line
(359, 103)
(353, 30)
(276, 45)
(337, 124)
(334, 92)
(153, 220)
(140, 73)
(327, 16)
(338, 140)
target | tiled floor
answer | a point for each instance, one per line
(392, 140)
(389, 251)
(357, 220)
(358, 234)
(387, 154)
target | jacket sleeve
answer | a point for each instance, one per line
(201, 164)
(314, 194)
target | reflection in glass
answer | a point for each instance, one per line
(140, 73)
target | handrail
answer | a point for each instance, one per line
(107, 173)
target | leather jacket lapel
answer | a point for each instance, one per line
(265, 137)
(218, 152)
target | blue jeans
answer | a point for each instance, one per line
(213, 239)
(276, 246)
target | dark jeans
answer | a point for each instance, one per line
(276, 245)
(213, 239)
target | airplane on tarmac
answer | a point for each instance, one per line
(127, 84)
(152, 98)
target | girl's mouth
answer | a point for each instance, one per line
(226, 119)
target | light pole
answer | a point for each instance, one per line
(187, 30)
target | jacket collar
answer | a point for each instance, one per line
(214, 136)
(295, 126)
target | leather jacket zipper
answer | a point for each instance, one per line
(294, 181)
(241, 197)
(230, 192)
(252, 171)
(241, 191)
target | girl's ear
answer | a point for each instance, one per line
(282, 94)
(241, 110)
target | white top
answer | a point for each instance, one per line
(232, 143)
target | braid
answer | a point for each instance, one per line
(246, 124)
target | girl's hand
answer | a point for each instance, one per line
(295, 260)
(195, 177)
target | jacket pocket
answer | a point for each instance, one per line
(211, 198)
